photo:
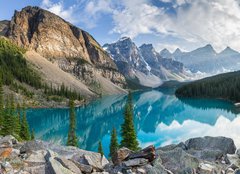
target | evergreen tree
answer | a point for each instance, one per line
(72, 138)
(18, 120)
(114, 142)
(32, 135)
(25, 133)
(100, 148)
(7, 127)
(1, 103)
(129, 137)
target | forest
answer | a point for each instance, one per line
(222, 86)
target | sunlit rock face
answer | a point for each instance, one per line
(62, 43)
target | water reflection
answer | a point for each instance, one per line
(160, 118)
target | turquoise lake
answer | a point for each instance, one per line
(160, 119)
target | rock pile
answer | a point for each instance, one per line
(208, 155)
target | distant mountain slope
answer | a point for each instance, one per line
(144, 63)
(222, 86)
(73, 50)
(207, 60)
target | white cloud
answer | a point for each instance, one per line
(175, 132)
(58, 8)
(216, 22)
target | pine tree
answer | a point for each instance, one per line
(32, 135)
(100, 148)
(114, 142)
(129, 137)
(17, 125)
(72, 138)
(25, 133)
(7, 127)
(1, 103)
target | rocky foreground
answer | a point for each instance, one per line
(206, 155)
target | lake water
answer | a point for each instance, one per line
(160, 119)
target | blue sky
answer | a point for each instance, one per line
(186, 24)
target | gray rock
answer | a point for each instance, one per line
(156, 169)
(173, 146)
(234, 159)
(225, 145)
(177, 160)
(121, 155)
(95, 160)
(36, 158)
(237, 171)
(238, 152)
(56, 167)
(7, 141)
(84, 168)
(37, 169)
(135, 162)
(68, 164)
(207, 154)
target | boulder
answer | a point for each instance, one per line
(68, 164)
(234, 160)
(55, 167)
(7, 141)
(223, 144)
(135, 162)
(95, 160)
(173, 146)
(36, 158)
(121, 155)
(6, 153)
(177, 160)
(208, 154)
(148, 153)
(84, 168)
(31, 146)
(37, 169)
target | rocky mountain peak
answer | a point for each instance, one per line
(228, 51)
(147, 47)
(165, 53)
(52, 37)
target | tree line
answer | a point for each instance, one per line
(13, 66)
(13, 119)
(223, 86)
(128, 134)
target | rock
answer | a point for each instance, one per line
(121, 155)
(7, 141)
(6, 153)
(238, 152)
(36, 158)
(177, 160)
(7, 167)
(31, 146)
(173, 146)
(41, 169)
(135, 162)
(68, 164)
(84, 168)
(56, 167)
(225, 145)
(237, 171)
(96, 161)
(208, 154)
(234, 159)
(148, 153)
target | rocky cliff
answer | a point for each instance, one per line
(72, 49)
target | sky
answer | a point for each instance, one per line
(171, 24)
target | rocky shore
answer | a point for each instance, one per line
(207, 155)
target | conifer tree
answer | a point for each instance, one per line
(32, 135)
(25, 133)
(129, 137)
(17, 126)
(100, 148)
(1, 103)
(114, 142)
(7, 127)
(72, 138)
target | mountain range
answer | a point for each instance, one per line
(144, 63)
(206, 59)
(65, 54)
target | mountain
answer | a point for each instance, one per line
(208, 61)
(223, 86)
(165, 53)
(46, 36)
(144, 64)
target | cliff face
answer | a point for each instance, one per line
(63, 44)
